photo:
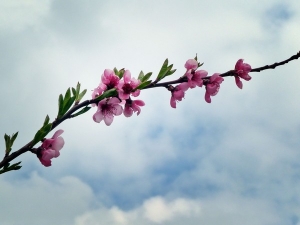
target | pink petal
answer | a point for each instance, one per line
(173, 102)
(113, 100)
(57, 133)
(136, 108)
(127, 76)
(117, 109)
(128, 111)
(207, 97)
(183, 86)
(48, 154)
(134, 82)
(123, 96)
(214, 77)
(108, 119)
(212, 89)
(191, 64)
(46, 163)
(136, 93)
(58, 144)
(238, 82)
(139, 102)
(238, 65)
(201, 73)
(178, 95)
(98, 116)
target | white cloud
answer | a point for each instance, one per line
(223, 209)
(39, 201)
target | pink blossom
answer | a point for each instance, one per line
(98, 91)
(50, 148)
(109, 80)
(107, 109)
(132, 106)
(191, 64)
(178, 93)
(195, 77)
(242, 70)
(127, 85)
(213, 86)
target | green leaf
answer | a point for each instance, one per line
(163, 70)
(170, 72)
(12, 140)
(46, 121)
(81, 95)
(74, 92)
(84, 110)
(9, 141)
(166, 70)
(144, 84)
(110, 93)
(60, 105)
(120, 72)
(141, 75)
(116, 70)
(7, 167)
(78, 88)
(196, 58)
(67, 95)
(67, 104)
(41, 133)
(146, 77)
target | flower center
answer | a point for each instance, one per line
(127, 88)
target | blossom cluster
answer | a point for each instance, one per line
(212, 84)
(113, 106)
(50, 148)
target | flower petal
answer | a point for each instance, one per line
(108, 119)
(98, 116)
(191, 64)
(58, 144)
(207, 97)
(238, 82)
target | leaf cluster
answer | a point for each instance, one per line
(9, 141)
(8, 167)
(144, 78)
(166, 70)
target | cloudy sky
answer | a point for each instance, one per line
(234, 161)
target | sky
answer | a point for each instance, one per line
(234, 161)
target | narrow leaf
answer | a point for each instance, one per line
(41, 133)
(144, 84)
(110, 93)
(170, 72)
(67, 104)
(67, 95)
(146, 77)
(141, 75)
(78, 88)
(163, 70)
(7, 141)
(60, 105)
(13, 138)
(74, 92)
(46, 121)
(81, 95)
